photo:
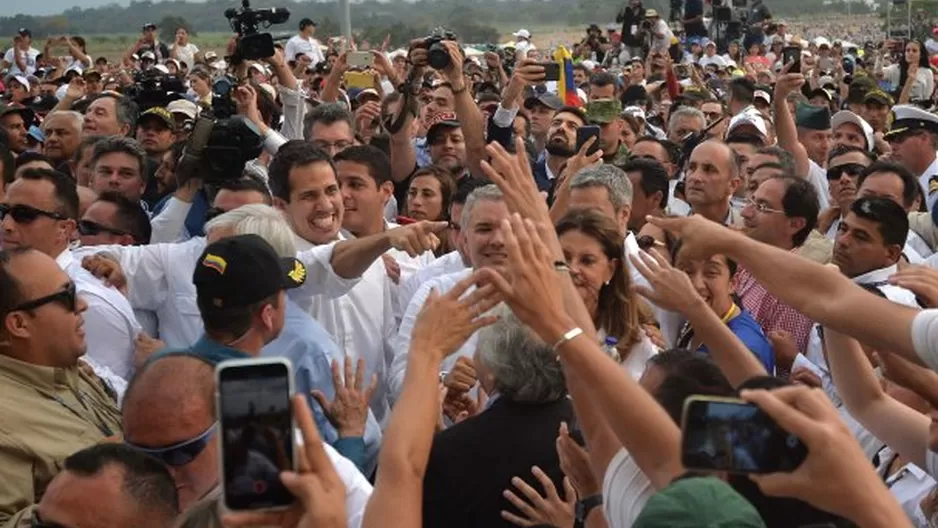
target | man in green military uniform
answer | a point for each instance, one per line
(605, 113)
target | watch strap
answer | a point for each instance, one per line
(585, 506)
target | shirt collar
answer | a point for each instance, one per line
(931, 170)
(214, 351)
(37, 376)
(876, 276)
(65, 259)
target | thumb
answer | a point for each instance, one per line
(294, 483)
(320, 399)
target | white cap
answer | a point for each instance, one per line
(161, 68)
(762, 94)
(269, 88)
(635, 111)
(210, 55)
(588, 64)
(259, 68)
(845, 116)
(148, 55)
(826, 80)
(22, 80)
(522, 33)
(184, 107)
(749, 117)
(821, 41)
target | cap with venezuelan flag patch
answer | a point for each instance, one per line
(239, 271)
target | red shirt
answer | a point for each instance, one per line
(771, 313)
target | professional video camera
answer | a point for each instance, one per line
(245, 21)
(154, 88)
(437, 56)
(223, 106)
(218, 149)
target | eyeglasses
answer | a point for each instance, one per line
(67, 297)
(24, 214)
(214, 212)
(852, 169)
(89, 228)
(36, 522)
(762, 207)
(182, 453)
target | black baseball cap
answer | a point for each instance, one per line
(23, 32)
(239, 271)
(148, 26)
(308, 22)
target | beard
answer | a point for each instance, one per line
(559, 149)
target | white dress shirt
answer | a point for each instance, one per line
(451, 262)
(909, 485)
(307, 46)
(357, 488)
(361, 322)
(110, 325)
(159, 278)
(398, 366)
(669, 322)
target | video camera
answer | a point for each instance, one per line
(218, 149)
(245, 21)
(154, 88)
(437, 56)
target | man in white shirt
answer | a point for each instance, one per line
(40, 210)
(21, 58)
(912, 139)
(305, 43)
(183, 50)
(523, 42)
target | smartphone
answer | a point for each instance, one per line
(360, 80)
(359, 59)
(582, 136)
(726, 434)
(551, 70)
(256, 428)
(792, 54)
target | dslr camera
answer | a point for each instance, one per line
(245, 21)
(437, 56)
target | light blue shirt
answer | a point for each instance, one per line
(309, 347)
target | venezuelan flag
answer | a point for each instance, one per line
(566, 90)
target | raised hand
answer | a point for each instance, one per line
(348, 412)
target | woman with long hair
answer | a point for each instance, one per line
(912, 67)
(593, 249)
(429, 196)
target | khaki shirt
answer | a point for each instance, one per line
(46, 414)
(922, 224)
(817, 247)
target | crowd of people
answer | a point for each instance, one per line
(503, 282)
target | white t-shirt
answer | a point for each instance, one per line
(661, 44)
(185, 53)
(31, 55)
(308, 46)
(922, 88)
(626, 490)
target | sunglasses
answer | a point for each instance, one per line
(180, 454)
(852, 169)
(67, 297)
(24, 214)
(89, 228)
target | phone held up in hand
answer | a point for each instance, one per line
(256, 432)
(726, 434)
(359, 59)
(792, 54)
(583, 134)
(551, 70)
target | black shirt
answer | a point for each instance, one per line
(694, 8)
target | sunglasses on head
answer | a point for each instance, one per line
(182, 453)
(24, 214)
(67, 297)
(89, 228)
(852, 169)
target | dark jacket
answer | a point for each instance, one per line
(472, 463)
(629, 17)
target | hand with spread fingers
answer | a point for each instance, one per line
(348, 412)
(835, 476)
(671, 288)
(512, 174)
(447, 321)
(539, 510)
(575, 463)
(319, 491)
(417, 238)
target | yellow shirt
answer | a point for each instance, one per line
(46, 414)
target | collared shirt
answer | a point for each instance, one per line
(110, 325)
(451, 262)
(817, 175)
(771, 313)
(46, 414)
(311, 350)
(923, 180)
(909, 485)
(159, 278)
(361, 322)
(916, 250)
(398, 365)
(305, 45)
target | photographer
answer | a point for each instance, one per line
(658, 31)
(631, 18)
(149, 41)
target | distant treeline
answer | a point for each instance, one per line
(473, 21)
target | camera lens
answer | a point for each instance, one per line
(438, 57)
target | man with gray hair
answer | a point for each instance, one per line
(62, 129)
(330, 127)
(684, 121)
(118, 164)
(528, 402)
(604, 187)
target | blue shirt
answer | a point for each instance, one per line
(195, 219)
(309, 347)
(750, 333)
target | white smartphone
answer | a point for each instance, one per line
(360, 59)
(256, 426)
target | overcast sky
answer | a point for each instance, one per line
(51, 7)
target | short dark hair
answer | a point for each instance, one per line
(326, 114)
(686, 374)
(125, 109)
(679, 244)
(891, 219)
(294, 153)
(244, 185)
(10, 294)
(786, 160)
(464, 188)
(910, 186)
(603, 79)
(840, 150)
(378, 163)
(29, 157)
(800, 201)
(146, 480)
(86, 141)
(65, 192)
(131, 217)
(654, 177)
(234, 321)
(742, 90)
(124, 145)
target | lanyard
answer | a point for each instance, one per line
(103, 428)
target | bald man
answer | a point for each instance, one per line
(711, 179)
(171, 401)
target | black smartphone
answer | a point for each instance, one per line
(551, 70)
(503, 136)
(792, 54)
(725, 434)
(582, 136)
(256, 427)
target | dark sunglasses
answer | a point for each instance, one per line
(67, 297)
(852, 169)
(89, 228)
(214, 212)
(24, 214)
(180, 454)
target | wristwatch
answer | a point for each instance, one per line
(585, 506)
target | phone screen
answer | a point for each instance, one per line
(735, 436)
(582, 136)
(551, 71)
(792, 54)
(257, 434)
